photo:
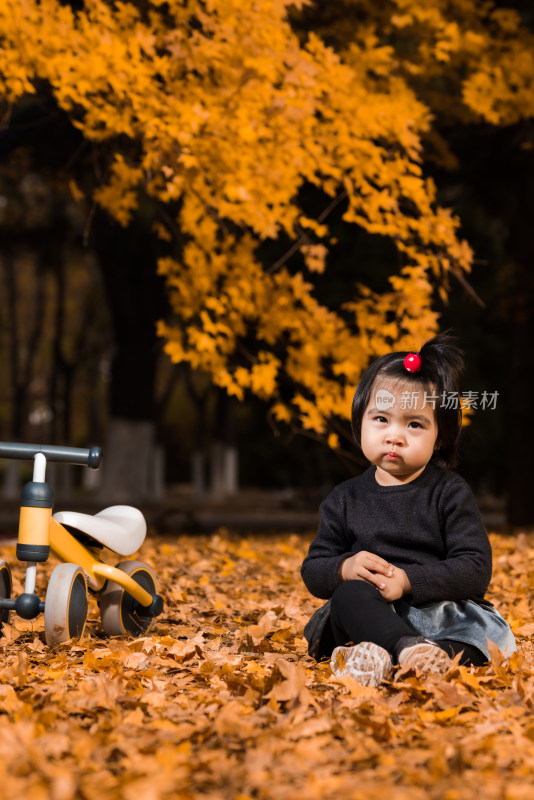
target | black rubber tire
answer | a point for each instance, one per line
(118, 608)
(65, 605)
(6, 590)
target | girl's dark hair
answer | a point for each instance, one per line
(441, 365)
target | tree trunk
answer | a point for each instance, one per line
(509, 206)
(129, 465)
(520, 443)
(22, 357)
(224, 470)
(520, 393)
(224, 457)
(520, 389)
(136, 296)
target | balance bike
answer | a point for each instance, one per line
(127, 593)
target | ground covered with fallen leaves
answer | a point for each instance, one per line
(220, 699)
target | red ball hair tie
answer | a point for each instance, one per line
(412, 362)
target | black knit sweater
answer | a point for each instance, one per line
(430, 527)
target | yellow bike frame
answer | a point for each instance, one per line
(69, 550)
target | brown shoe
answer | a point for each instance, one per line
(367, 663)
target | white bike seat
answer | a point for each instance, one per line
(121, 528)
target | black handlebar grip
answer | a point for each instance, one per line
(94, 459)
(71, 455)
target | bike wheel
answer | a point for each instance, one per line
(65, 604)
(6, 588)
(118, 608)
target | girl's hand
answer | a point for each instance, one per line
(367, 567)
(394, 587)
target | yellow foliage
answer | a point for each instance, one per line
(219, 109)
(314, 256)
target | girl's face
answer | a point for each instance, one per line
(399, 431)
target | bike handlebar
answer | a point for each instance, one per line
(71, 455)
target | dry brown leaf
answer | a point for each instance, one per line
(221, 701)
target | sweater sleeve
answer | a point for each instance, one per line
(331, 546)
(465, 571)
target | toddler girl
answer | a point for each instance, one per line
(401, 551)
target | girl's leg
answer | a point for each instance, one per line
(359, 613)
(471, 655)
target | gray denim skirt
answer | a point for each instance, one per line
(458, 621)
